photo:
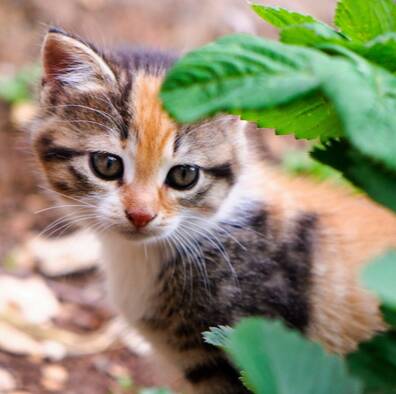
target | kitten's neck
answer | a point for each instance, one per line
(131, 270)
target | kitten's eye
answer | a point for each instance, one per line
(106, 166)
(182, 177)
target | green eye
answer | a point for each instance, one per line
(182, 177)
(106, 165)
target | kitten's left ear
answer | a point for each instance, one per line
(69, 62)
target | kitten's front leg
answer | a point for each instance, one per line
(210, 373)
(217, 377)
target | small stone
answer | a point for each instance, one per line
(18, 342)
(54, 377)
(53, 350)
(118, 371)
(22, 114)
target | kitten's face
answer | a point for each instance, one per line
(113, 155)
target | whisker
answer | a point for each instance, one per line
(58, 207)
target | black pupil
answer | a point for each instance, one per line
(107, 166)
(182, 177)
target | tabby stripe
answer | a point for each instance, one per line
(83, 183)
(57, 153)
(222, 171)
(195, 199)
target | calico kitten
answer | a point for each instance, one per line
(196, 230)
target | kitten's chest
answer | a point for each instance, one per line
(132, 272)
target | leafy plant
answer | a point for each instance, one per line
(335, 85)
(298, 162)
(18, 87)
(332, 83)
(275, 359)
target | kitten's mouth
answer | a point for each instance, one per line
(139, 234)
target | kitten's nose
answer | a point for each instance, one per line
(139, 217)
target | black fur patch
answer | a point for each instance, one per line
(82, 183)
(252, 269)
(57, 153)
(216, 368)
(151, 61)
(223, 171)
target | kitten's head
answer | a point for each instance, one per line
(114, 156)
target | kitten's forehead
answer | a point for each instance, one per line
(151, 127)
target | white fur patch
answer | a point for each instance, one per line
(131, 269)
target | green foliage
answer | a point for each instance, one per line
(378, 182)
(363, 20)
(322, 120)
(341, 87)
(217, 336)
(276, 359)
(320, 83)
(380, 276)
(18, 87)
(232, 73)
(375, 361)
(381, 50)
(280, 17)
(311, 34)
(298, 162)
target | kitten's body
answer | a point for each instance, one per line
(245, 240)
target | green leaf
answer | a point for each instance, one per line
(232, 74)
(298, 162)
(217, 336)
(245, 75)
(311, 34)
(389, 316)
(310, 118)
(380, 277)
(375, 361)
(378, 182)
(374, 364)
(364, 97)
(18, 87)
(276, 359)
(381, 50)
(280, 17)
(363, 20)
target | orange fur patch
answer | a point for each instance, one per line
(352, 231)
(153, 126)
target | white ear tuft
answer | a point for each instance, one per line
(70, 62)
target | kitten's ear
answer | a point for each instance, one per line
(69, 62)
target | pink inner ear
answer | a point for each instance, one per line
(56, 59)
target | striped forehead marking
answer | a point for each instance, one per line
(152, 125)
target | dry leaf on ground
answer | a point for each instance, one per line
(7, 381)
(71, 254)
(30, 297)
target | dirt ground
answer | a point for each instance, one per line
(82, 309)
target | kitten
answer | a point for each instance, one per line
(197, 231)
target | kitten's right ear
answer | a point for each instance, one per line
(70, 62)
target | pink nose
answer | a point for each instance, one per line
(139, 217)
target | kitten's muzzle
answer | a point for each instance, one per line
(140, 217)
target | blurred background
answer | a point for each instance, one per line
(57, 334)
